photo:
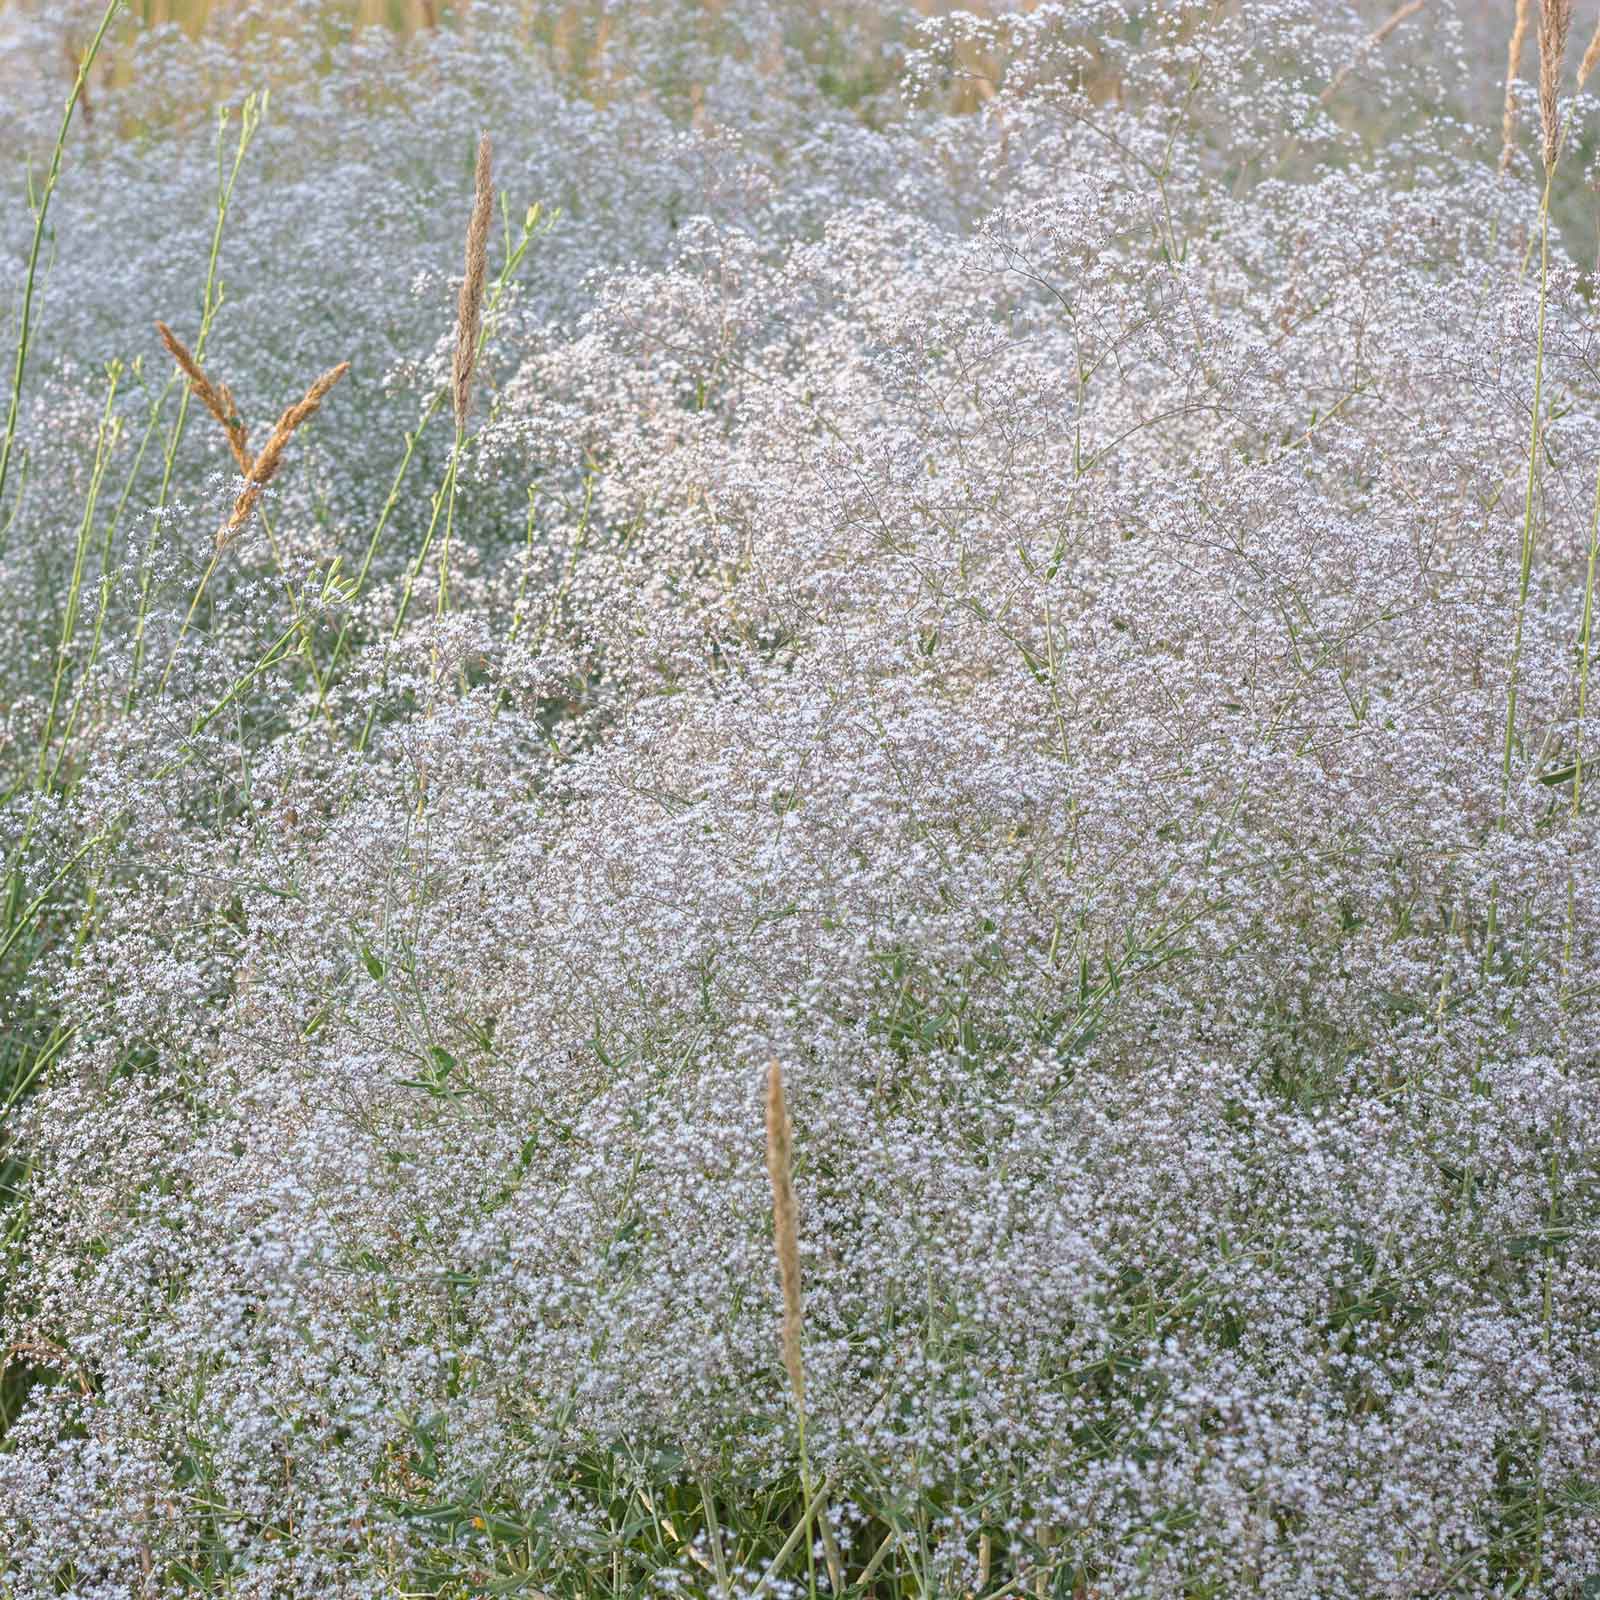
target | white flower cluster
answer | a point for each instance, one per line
(1035, 567)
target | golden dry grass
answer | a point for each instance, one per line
(1590, 57)
(1519, 38)
(257, 470)
(217, 398)
(786, 1227)
(574, 34)
(266, 464)
(469, 313)
(1555, 21)
(407, 15)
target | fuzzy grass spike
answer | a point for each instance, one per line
(217, 398)
(1508, 121)
(265, 465)
(1555, 21)
(470, 307)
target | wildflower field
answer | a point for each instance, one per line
(799, 797)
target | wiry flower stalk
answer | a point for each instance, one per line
(469, 311)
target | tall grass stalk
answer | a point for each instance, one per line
(41, 210)
(1585, 649)
(262, 469)
(535, 220)
(110, 431)
(1525, 571)
(1519, 39)
(18, 910)
(469, 317)
(786, 1240)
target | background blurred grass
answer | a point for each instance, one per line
(404, 15)
(852, 45)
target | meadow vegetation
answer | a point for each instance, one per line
(861, 859)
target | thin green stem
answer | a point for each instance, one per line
(714, 1537)
(383, 520)
(211, 300)
(218, 550)
(1525, 576)
(797, 1533)
(810, 1509)
(1528, 519)
(25, 916)
(25, 326)
(110, 427)
(439, 499)
(1585, 638)
(442, 604)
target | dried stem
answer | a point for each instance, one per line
(40, 1353)
(786, 1232)
(1591, 57)
(80, 71)
(1374, 40)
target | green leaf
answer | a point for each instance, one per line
(1561, 775)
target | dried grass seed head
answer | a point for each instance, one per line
(215, 397)
(1555, 22)
(1519, 38)
(266, 464)
(1591, 57)
(469, 312)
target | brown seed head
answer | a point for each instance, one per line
(215, 397)
(1555, 20)
(785, 1227)
(1519, 37)
(261, 470)
(470, 307)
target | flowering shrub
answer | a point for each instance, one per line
(1033, 567)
